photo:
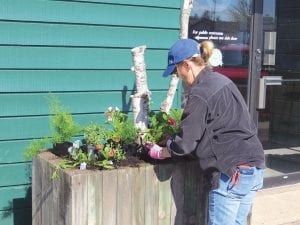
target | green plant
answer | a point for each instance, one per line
(120, 128)
(35, 147)
(94, 134)
(163, 125)
(61, 122)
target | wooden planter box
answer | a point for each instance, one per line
(166, 194)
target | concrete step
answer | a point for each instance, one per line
(277, 206)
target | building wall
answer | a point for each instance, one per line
(79, 50)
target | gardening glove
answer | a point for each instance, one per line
(154, 150)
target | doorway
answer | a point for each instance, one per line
(259, 44)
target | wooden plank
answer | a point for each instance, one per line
(177, 188)
(47, 193)
(39, 34)
(88, 102)
(191, 192)
(138, 195)
(79, 198)
(15, 174)
(37, 191)
(152, 196)
(82, 80)
(165, 195)
(12, 57)
(66, 197)
(88, 13)
(110, 188)
(91, 198)
(165, 3)
(98, 197)
(60, 198)
(124, 195)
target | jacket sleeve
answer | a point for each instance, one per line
(192, 127)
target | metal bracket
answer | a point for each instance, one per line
(262, 88)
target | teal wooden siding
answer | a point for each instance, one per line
(79, 50)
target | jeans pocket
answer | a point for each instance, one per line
(245, 184)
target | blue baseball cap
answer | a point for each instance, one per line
(181, 50)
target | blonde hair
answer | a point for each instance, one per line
(206, 48)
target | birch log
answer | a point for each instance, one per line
(140, 100)
(184, 26)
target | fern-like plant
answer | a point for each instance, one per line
(61, 122)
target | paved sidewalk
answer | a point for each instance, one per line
(277, 206)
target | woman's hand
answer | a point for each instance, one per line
(157, 152)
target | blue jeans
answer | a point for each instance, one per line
(230, 204)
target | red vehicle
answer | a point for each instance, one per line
(235, 62)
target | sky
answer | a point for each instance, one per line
(222, 6)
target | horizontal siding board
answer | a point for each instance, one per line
(76, 80)
(15, 174)
(35, 127)
(12, 57)
(20, 33)
(75, 12)
(12, 151)
(15, 197)
(89, 102)
(165, 3)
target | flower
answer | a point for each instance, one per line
(162, 125)
(117, 109)
(71, 149)
(99, 147)
(82, 166)
(76, 144)
(111, 153)
(109, 116)
(109, 109)
(172, 121)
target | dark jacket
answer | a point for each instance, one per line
(217, 127)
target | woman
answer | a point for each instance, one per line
(217, 128)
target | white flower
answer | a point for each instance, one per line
(82, 166)
(110, 109)
(110, 162)
(71, 149)
(76, 144)
(117, 109)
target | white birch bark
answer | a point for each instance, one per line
(140, 100)
(140, 108)
(139, 67)
(184, 26)
(166, 105)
